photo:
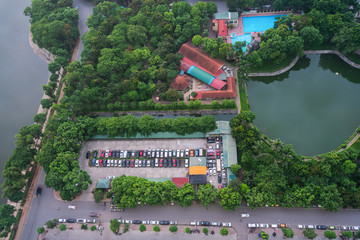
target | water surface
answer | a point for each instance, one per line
(314, 107)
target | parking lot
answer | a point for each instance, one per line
(137, 144)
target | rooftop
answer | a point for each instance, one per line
(227, 15)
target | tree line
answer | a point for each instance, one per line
(275, 174)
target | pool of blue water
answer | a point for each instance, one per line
(259, 24)
(246, 37)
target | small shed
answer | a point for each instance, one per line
(197, 170)
(103, 183)
(181, 82)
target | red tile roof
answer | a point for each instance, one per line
(181, 82)
(179, 182)
(229, 93)
(201, 58)
(223, 31)
(217, 83)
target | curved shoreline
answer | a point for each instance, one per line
(309, 52)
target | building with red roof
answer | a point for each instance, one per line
(179, 182)
(223, 30)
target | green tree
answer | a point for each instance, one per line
(142, 228)
(51, 223)
(172, 95)
(156, 228)
(98, 195)
(197, 40)
(330, 234)
(93, 228)
(309, 233)
(230, 199)
(193, 94)
(40, 118)
(330, 198)
(46, 103)
(40, 230)
(312, 36)
(186, 195)
(173, 228)
(54, 67)
(288, 232)
(207, 194)
(187, 230)
(62, 227)
(205, 231)
(114, 225)
(235, 168)
(84, 226)
(348, 234)
(224, 232)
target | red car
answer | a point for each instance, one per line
(102, 153)
(220, 187)
(101, 162)
(141, 153)
(174, 162)
(132, 163)
(161, 163)
(218, 153)
(110, 153)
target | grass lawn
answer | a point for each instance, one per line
(243, 96)
(272, 67)
(356, 145)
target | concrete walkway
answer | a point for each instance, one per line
(270, 74)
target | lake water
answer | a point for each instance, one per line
(21, 74)
(314, 107)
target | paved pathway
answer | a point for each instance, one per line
(269, 74)
(342, 56)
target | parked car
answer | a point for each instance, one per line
(148, 163)
(219, 178)
(332, 227)
(91, 220)
(170, 153)
(194, 223)
(186, 162)
(164, 222)
(72, 207)
(217, 145)
(215, 224)
(132, 163)
(105, 163)
(226, 224)
(161, 162)
(273, 225)
(137, 163)
(165, 162)
(127, 163)
(38, 191)
(321, 227)
(62, 220)
(253, 225)
(156, 162)
(81, 220)
(264, 225)
(205, 223)
(223, 173)
(71, 220)
(154, 222)
(128, 221)
(301, 226)
(174, 162)
(107, 153)
(345, 228)
(123, 163)
(95, 154)
(102, 154)
(283, 225)
(97, 163)
(137, 222)
(356, 228)
(115, 163)
(182, 153)
(245, 215)
(152, 163)
(87, 154)
(173, 222)
(146, 222)
(187, 153)
(178, 163)
(144, 163)
(311, 226)
(192, 152)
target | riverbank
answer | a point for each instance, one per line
(170, 112)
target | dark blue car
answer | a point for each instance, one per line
(93, 162)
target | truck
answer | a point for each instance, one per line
(218, 165)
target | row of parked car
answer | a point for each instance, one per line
(131, 163)
(323, 227)
(207, 223)
(265, 225)
(150, 153)
(146, 222)
(73, 220)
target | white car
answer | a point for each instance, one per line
(223, 174)
(214, 171)
(217, 145)
(170, 153)
(182, 153)
(253, 225)
(210, 171)
(264, 225)
(97, 163)
(91, 220)
(73, 207)
(186, 152)
(81, 220)
(137, 163)
(311, 226)
(345, 227)
(128, 221)
(301, 226)
(186, 163)
(166, 153)
(121, 220)
(120, 163)
(211, 183)
(215, 224)
(355, 228)
(178, 153)
(62, 220)
(226, 224)
(245, 215)
(173, 223)
(107, 153)
(154, 222)
(146, 222)
(194, 223)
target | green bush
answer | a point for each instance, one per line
(330, 234)
(187, 230)
(62, 227)
(84, 226)
(205, 230)
(40, 230)
(173, 228)
(358, 234)
(51, 223)
(156, 228)
(114, 225)
(126, 227)
(224, 232)
(142, 228)
(264, 235)
(309, 233)
(93, 228)
(288, 232)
